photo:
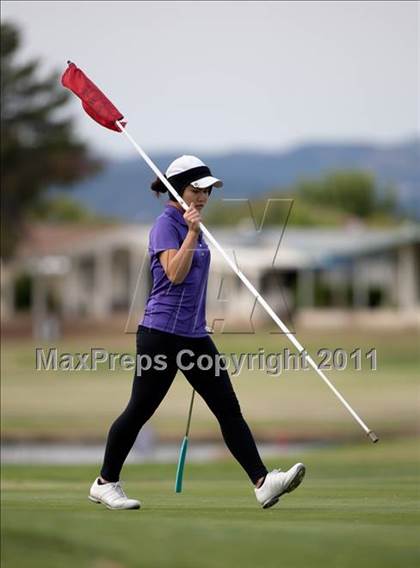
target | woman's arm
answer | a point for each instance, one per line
(177, 263)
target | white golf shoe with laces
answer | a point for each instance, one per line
(277, 483)
(112, 495)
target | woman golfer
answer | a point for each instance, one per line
(174, 324)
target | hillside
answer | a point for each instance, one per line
(121, 190)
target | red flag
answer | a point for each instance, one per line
(93, 100)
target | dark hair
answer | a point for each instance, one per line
(158, 187)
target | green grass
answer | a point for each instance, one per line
(59, 405)
(358, 506)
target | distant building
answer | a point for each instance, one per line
(314, 276)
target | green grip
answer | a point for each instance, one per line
(181, 463)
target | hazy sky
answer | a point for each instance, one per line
(232, 75)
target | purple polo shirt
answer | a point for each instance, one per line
(176, 308)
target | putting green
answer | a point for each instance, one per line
(358, 506)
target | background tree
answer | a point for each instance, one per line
(328, 201)
(38, 149)
(351, 191)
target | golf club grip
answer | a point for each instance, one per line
(180, 468)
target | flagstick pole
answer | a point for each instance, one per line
(373, 437)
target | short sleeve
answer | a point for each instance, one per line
(163, 236)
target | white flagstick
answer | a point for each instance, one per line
(373, 437)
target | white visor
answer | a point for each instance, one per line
(207, 182)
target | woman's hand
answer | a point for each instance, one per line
(177, 263)
(192, 218)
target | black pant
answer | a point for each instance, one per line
(151, 385)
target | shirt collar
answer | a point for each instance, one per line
(175, 213)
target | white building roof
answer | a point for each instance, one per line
(296, 248)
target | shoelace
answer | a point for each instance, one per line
(119, 489)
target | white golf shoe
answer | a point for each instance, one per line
(277, 483)
(112, 495)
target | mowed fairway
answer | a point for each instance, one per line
(80, 405)
(358, 507)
